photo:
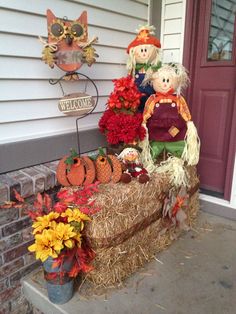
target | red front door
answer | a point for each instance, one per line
(212, 91)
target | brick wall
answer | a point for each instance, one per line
(15, 232)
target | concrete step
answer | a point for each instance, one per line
(196, 275)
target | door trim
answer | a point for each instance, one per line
(190, 33)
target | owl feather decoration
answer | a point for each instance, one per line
(68, 46)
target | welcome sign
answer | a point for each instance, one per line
(76, 104)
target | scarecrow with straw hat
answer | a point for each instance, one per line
(144, 54)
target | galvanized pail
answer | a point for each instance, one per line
(59, 285)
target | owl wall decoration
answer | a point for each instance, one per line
(68, 46)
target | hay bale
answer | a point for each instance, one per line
(129, 229)
(125, 208)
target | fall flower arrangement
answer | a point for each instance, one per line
(121, 123)
(125, 95)
(58, 229)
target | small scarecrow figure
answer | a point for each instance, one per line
(144, 54)
(167, 117)
(130, 158)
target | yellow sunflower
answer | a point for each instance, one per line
(75, 215)
(64, 233)
(44, 222)
(43, 245)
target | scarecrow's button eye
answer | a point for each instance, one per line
(142, 50)
(167, 80)
(57, 29)
(77, 30)
(163, 80)
(145, 50)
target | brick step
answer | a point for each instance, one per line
(28, 181)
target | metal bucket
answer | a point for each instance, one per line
(59, 286)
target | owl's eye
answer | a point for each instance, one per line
(77, 30)
(57, 29)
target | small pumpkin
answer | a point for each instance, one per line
(108, 168)
(62, 172)
(80, 171)
(76, 173)
(116, 169)
(90, 172)
(74, 170)
(103, 169)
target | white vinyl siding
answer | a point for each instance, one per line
(172, 29)
(28, 103)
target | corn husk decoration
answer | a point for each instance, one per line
(146, 157)
(192, 145)
(174, 168)
(174, 207)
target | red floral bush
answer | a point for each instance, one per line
(122, 127)
(120, 122)
(125, 95)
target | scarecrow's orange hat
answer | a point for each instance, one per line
(144, 37)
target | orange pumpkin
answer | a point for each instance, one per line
(84, 171)
(116, 169)
(76, 173)
(62, 171)
(90, 172)
(103, 169)
(108, 168)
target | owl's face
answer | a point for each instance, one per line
(68, 36)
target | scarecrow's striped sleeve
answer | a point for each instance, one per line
(183, 109)
(149, 108)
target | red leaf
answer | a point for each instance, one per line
(62, 194)
(69, 199)
(74, 270)
(47, 201)
(57, 262)
(59, 207)
(38, 203)
(39, 199)
(86, 268)
(85, 210)
(50, 276)
(18, 196)
(32, 215)
(8, 205)
(38, 206)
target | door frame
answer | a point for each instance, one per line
(190, 44)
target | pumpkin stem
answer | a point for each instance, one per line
(72, 159)
(101, 151)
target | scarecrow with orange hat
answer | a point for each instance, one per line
(144, 54)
